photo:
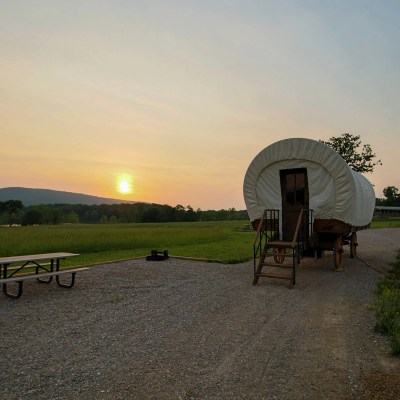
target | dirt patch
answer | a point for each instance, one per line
(180, 329)
(382, 386)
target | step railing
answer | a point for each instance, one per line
(268, 230)
(303, 231)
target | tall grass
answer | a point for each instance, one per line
(387, 306)
(96, 243)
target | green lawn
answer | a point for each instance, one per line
(222, 240)
(390, 222)
(99, 243)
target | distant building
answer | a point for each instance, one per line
(383, 211)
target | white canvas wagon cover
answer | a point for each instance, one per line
(335, 190)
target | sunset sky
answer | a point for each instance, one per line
(177, 97)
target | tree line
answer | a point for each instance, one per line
(14, 212)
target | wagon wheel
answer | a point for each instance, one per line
(279, 258)
(353, 245)
(338, 253)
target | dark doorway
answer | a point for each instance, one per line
(294, 188)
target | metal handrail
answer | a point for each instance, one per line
(258, 232)
(259, 236)
(261, 233)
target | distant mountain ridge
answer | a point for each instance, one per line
(31, 197)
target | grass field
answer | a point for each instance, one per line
(98, 243)
(219, 241)
(392, 222)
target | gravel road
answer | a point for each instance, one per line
(181, 329)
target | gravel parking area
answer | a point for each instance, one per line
(181, 329)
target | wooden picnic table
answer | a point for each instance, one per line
(45, 265)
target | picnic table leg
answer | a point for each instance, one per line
(63, 284)
(58, 277)
(51, 270)
(13, 296)
(5, 291)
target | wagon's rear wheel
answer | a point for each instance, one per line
(353, 245)
(279, 258)
(338, 253)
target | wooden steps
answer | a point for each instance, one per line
(277, 257)
(280, 244)
(272, 275)
(267, 264)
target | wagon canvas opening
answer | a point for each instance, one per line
(294, 191)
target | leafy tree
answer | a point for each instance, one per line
(392, 196)
(347, 145)
(11, 206)
(73, 218)
(104, 219)
(32, 217)
(11, 212)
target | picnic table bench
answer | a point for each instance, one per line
(40, 266)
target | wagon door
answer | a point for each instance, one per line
(294, 188)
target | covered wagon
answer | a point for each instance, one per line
(303, 198)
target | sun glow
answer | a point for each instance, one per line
(124, 185)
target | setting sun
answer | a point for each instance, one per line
(124, 185)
